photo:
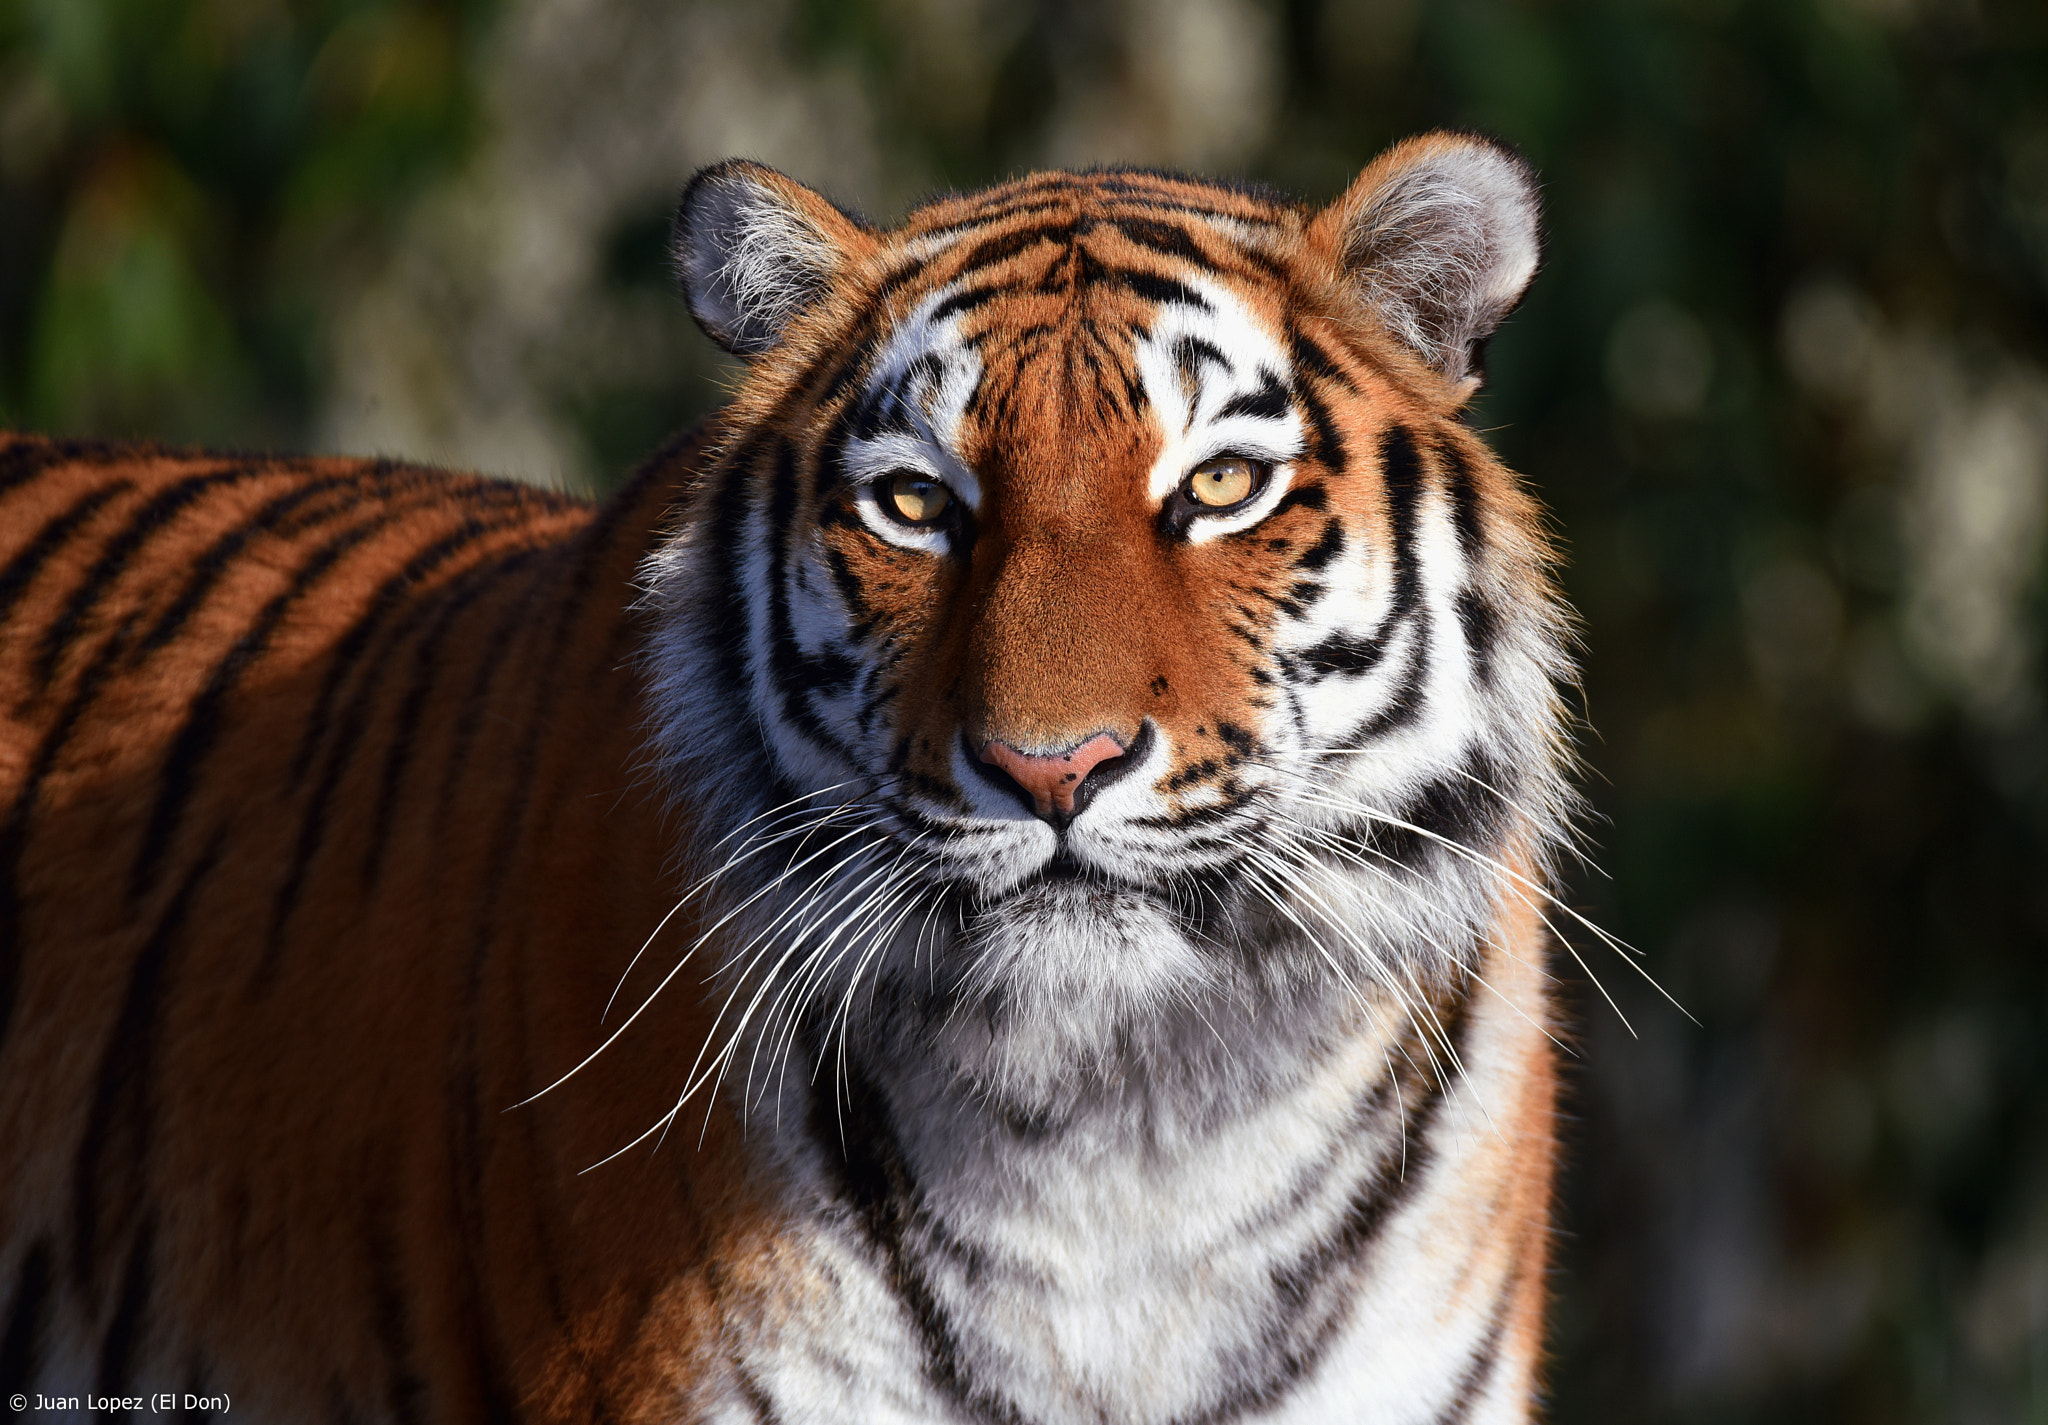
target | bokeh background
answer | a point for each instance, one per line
(1784, 380)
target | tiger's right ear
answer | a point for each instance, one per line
(754, 249)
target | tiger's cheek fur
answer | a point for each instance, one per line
(901, 607)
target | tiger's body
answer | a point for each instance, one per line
(1076, 742)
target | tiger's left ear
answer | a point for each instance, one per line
(1439, 236)
(754, 249)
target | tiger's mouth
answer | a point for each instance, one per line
(1198, 900)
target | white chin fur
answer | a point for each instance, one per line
(1057, 975)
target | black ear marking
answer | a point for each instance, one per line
(753, 250)
(1440, 236)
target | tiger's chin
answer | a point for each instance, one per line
(1061, 989)
(1061, 943)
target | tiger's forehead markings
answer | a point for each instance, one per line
(1160, 305)
(1189, 363)
(1129, 189)
(1073, 208)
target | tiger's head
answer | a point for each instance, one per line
(1097, 608)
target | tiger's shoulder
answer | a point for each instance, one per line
(303, 762)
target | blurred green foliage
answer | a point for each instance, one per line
(181, 178)
(1784, 381)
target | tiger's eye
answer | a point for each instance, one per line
(915, 499)
(1229, 480)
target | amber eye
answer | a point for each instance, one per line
(916, 499)
(1225, 481)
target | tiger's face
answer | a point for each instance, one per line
(1099, 595)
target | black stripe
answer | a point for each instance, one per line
(28, 1320)
(725, 550)
(1401, 474)
(1294, 601)
(901, 277)
(1329, 448)
(1157, 189)
(23, 459)
(1328, 546)
(197, 735)
(390, 1320)
(990, 251)
(881, 411)
(1154, 287)
(1481, 624)
(1190, 352)
(110, 1177)
(1269, 402)
(154, 515)
(1021, 206)
(1464, 492)
(122, 1342)
(794, 673)
(1404, 704)
(348, 729)
(966, 301)
(837, 371)
(757, 1399)
(1468, 808)
(570, 600)
(518, 614)
(14, 831)
(1270, 267)
(828, 473)
(426, 676)
(355, 642)
(1162, 237)
(1472, 1381)
(213, 564)
(53, 536)
(1311, 1304)
(1341, 653)
(1305, 497)
(1194, 774)
(876, 1182)
(1134, 389)
(1310, 357)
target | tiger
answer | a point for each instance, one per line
(1006, 876)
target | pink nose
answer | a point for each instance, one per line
(1052, 781)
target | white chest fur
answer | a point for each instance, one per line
(1335, 1243)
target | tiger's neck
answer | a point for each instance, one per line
(1229, 1223)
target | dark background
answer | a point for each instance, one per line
(1782, 380)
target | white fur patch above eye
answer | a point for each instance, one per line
(919, 386)
(1200, 370)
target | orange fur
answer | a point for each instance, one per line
(330, 1138)
(327, 829)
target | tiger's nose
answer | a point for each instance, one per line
(1059, 786)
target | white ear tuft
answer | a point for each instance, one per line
(754, 249)
(1440, 236)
